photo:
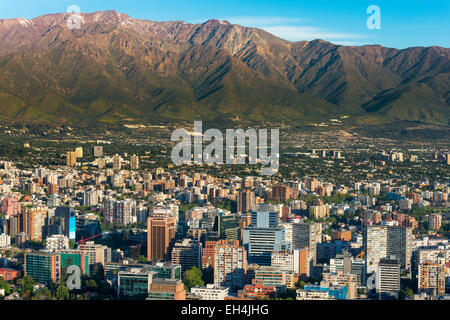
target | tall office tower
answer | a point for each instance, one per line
(67, 219)
(71, 158)
(435, 221)
(33, 222)
(187, 253)
(382, 241)
(42, 267)
(388, 277)
(161, 233)
(400, 245)
(79, 152)
(302, 262)
(13, 225)
(98, 151)
(230, 266)
(431, 278)
(307, 235)
(134, 162)
(264, 236)
(375, 246)
(117, 162)
(246, 201)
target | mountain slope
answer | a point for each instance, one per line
(119, 69)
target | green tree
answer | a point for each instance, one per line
(62, 293)
(142, 259)
(5, 285)
(192, 278)
(301, 284)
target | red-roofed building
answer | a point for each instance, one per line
(9, 274)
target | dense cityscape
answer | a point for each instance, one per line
(346, 218)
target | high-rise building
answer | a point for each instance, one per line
(42, 267)
(34, 220)
(283, 260)
(90, 198)
(400, 245)
(431, 278)
(79, 152)
(307, 235)
(67, 219)
(87, 225)
(280, 193)
(71, 158)
(345, 264)
(230, 266)
(227, 226)
(435, 221)
(188, 254)
(120, 212)
(134, 162)
(97, 253)
(382, 241)
(117, 162)
(388, 277)
(161, 233)
(246, 201)
(57, 243)
(264, 236)
(209, 251)
(319, 211)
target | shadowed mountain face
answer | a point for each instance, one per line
(116, 69)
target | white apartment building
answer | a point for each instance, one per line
(210, 292)
(57, 242)
(5, 240)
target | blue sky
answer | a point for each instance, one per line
(403, 23)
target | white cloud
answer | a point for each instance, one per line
(262, 21)
(290, 29)
(297, 33)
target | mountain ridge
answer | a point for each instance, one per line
(116, 68)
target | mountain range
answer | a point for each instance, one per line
(118, 69)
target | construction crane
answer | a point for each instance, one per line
(361, 254)
(82, 249)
